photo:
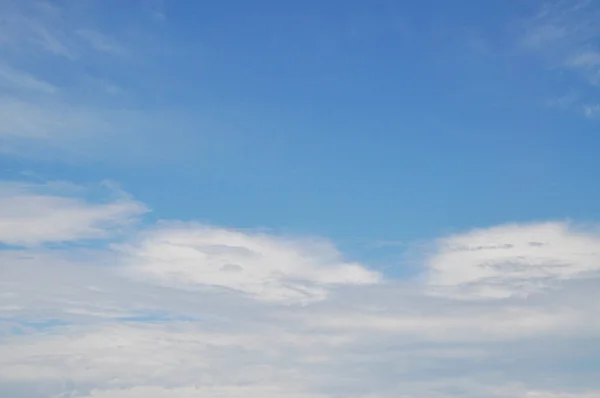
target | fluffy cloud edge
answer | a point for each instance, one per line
(512, 260)
(265, 267)
(57, 212)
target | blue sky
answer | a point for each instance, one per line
(304, 164)
(344, 118)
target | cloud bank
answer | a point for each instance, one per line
(190, 310)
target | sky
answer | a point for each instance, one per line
(311, 199)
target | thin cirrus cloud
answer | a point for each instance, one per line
(563, 29)
(592, 111)
(11, 78)
(35, 26)
(79, 112)
(566, 35)
(62, 131)
(101, 42)
(586, 59)
(57, 30)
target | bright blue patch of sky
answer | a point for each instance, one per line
(379, 120)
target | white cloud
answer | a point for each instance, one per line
(186, 358)
(188, 310)
(115, 359)
(194, 392)
(466, 325)
(512, 260)
(263, 266)
(33, 214)
(112, 352)
(72, 325)
(516, 390)
(552, 394)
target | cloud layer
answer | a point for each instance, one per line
(186, 310)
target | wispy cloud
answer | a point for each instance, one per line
(567, 32)
(11, 78)
(53, 29)
(35, 26)
(592, 111)
(587, 59)
(47, 127)
(101, 42)
(57, 105)
(50, 113)
(33, 215)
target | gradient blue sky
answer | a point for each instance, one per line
(379, 148)
(384, 120)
